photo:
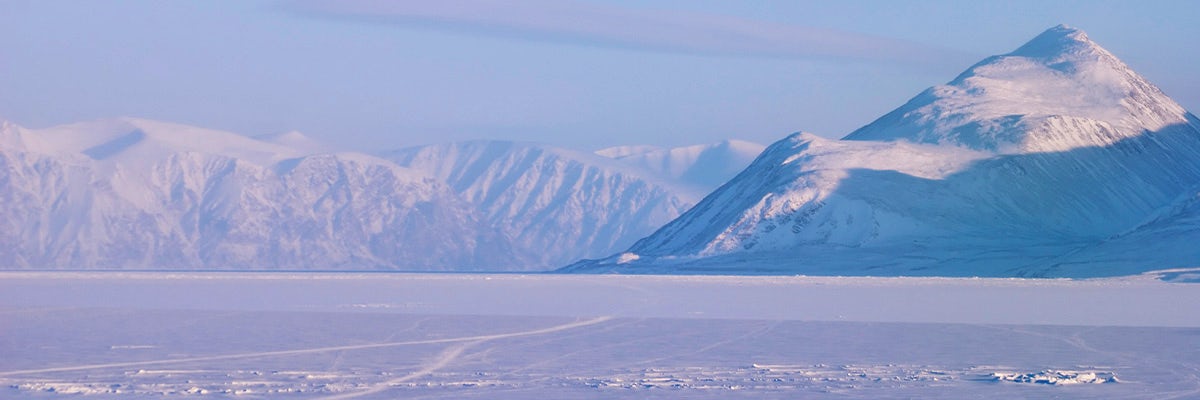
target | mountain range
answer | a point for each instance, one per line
(1053, 160)
(1056, 159)
(130, 193)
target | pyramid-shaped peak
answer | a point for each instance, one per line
(1058, 41)
(1026, 100)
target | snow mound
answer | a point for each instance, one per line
(626, 151)
(295, 140)
(1057, 377)
(135, 141)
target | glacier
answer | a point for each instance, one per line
(1056, 159)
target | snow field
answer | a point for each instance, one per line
(305, 335)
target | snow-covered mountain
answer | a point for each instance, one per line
(557, 204)
(130, 193)
(703, 167)
(1058, 92)
(1053, 160)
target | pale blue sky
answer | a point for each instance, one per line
(371, 75)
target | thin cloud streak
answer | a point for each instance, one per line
(621, 27)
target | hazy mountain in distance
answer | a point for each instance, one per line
(704, 167)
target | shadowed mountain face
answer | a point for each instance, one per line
(1040, 162)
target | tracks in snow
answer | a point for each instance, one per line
(449, 355)
(476, 339)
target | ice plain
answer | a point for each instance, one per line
(396, 335)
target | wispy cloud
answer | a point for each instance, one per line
(622, 27)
